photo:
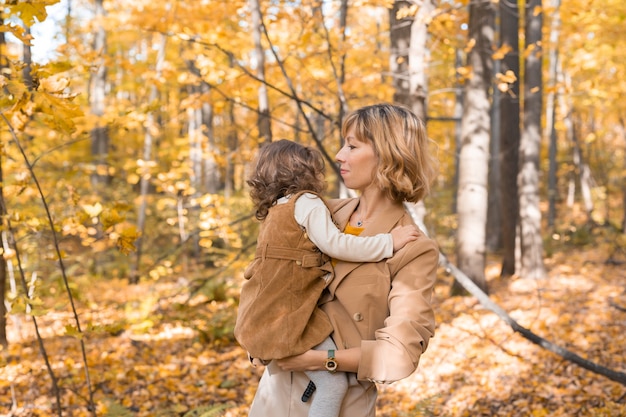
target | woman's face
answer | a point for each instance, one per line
(357, 162)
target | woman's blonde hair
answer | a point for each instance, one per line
(282, 168)
(406, 168)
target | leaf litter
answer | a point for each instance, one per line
(151, 352)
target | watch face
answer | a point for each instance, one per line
(331, 365)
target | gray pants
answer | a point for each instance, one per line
(330, 388)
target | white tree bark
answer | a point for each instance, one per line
(532, 265)
(150, 131)
(474, 153)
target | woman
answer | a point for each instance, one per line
(381, 312)
(291, 269)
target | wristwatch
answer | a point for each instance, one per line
(331, 364)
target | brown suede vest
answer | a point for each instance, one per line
(278, 314)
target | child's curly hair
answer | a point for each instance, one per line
(282, 168)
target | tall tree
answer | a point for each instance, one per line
(551, 105)
(582, 168)
(232, 141)
(531, 243)
(418, 78)
(622, 132)
(400, 38)
(474, 154)
(150, 130)
(408, 61)
(419, 59)
(494, 205)
(97, 95)
(509, 132)
(3, 212)
(263, 121)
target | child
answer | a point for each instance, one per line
(278, 314)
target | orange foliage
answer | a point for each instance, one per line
(151, 352)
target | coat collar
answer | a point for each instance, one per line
(342, 210)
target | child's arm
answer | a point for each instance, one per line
(314, 216)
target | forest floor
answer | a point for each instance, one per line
(152, 351)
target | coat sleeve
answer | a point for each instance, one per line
(395, 352)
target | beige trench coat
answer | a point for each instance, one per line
(383, 307)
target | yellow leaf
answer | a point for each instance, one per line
(126, 240)
(93, 210)
(501, 52)
(508, 77)
(18, 32)
(54, 84)
(111, 218)
(470, 45)
(73, 331)
(464, 70)
(32, 11)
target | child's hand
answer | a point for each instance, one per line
(402, 235)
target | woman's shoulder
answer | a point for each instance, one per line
(336, 204)
(424, 241)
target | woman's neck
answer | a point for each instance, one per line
(371, 205)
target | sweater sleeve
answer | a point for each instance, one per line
(312, 214)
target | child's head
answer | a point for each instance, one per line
(282, 168)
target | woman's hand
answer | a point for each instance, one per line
(311, 360)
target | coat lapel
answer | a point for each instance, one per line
(342, 210)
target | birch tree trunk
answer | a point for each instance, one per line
(623, 134)
(419, 59)
(458, 122)
(201, 138)
(3, 213)
(150, 130)
(211, 169)
(341, 70)
(584, 174)
(493, 240)
(474, 154)
(531, 243)
(231, 147)
(400, 38)
(263, 121)
(567, 112)
(509, 135)
(553, 56)
(27, 59)
(194, 133)
(97, 94)
(408, 61)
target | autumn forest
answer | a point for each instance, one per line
(127, 129)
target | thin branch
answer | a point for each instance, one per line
(486, 302)
(42, 347)
(29, 165)
(231, 56)
(299, 102)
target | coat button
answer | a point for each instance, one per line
(357, 317)
(298, 263)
